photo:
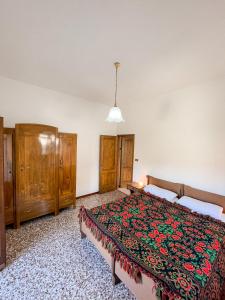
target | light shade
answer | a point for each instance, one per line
(115, 115)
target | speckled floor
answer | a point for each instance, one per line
(46, 259)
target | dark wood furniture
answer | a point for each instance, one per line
(125, 159)
(36, 171)
(135, 187)
(2, 206)
(108, 163)
(9, 179)
(67, 169)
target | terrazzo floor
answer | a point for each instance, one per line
(46, 259)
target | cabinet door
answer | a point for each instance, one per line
(126, 158)
(2, 206)
(108, 163)
(9, 175)
(36, 171)
(67, 169)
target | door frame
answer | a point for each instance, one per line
(119, 156)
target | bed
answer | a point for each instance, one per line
(172, 254)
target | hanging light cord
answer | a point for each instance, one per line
(116, 65)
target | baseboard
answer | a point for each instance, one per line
(87, 195)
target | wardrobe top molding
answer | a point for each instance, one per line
(42, 126)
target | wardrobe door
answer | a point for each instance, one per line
(125, 159)
(2, 206)
(9, 134)
(108, 163)
(67, 169)
(36, 171)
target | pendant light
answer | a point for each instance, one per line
(115, 114)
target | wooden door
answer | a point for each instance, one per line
(108, 163)
(2, 206)
(125, 159)
(36, 171)
(9, 134)
(67, 169)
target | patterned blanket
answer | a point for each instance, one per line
(183, 252)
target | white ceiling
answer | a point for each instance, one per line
(70, 45)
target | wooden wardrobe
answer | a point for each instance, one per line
(2, 208)
(116, 161)
(36, 171)
(45, 164)
(67, 169)
(9, 175)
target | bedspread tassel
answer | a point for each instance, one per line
(131, 268)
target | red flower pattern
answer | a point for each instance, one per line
(189, 267)
(192, 245)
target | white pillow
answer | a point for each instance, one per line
(223, 218)
(159, 192)
(202, 207)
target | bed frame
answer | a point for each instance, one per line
(168, 185)
(204, 196)
(146, 289)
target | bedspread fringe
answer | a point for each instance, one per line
(133, 269)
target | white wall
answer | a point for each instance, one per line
(24, 103)
(180, 136)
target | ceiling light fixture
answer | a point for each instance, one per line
(115, 114)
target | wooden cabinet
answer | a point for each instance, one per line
(108, 163)
(135, 187)
(2, 209)
(67, 169)
(36, 171)
(9, 134)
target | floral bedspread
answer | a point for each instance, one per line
(183, 252)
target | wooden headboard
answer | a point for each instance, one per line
(174, 187)
(204, 196)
